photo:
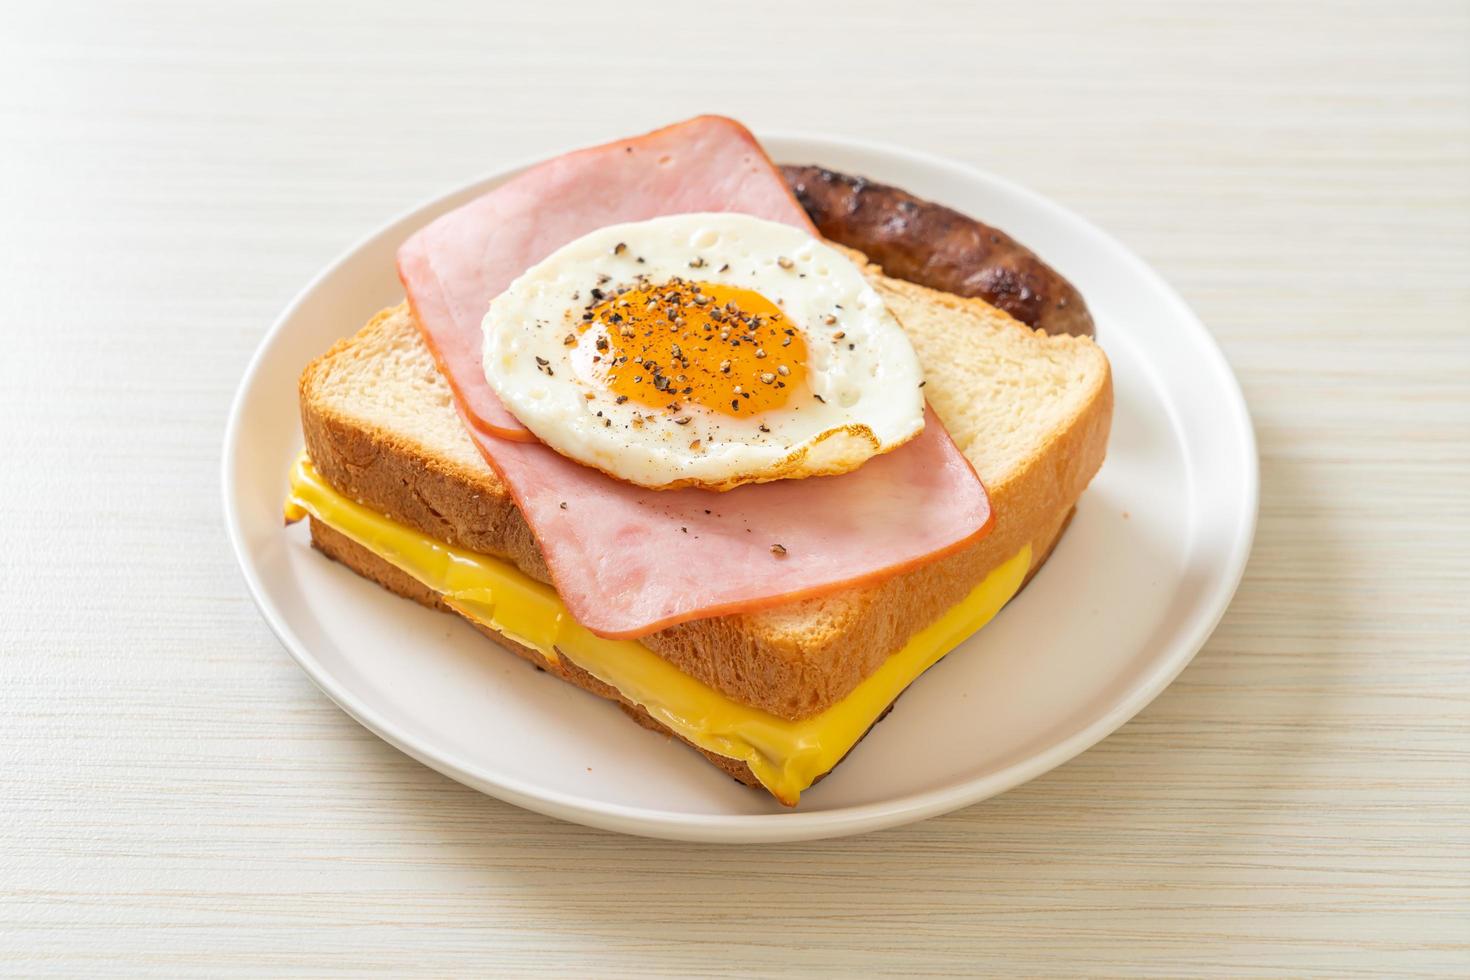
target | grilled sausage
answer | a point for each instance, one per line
(938, 247)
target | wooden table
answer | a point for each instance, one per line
(178, 797)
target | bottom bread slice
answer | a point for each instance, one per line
(343, 549)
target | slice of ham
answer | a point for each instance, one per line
(456, 265)
(629, 561)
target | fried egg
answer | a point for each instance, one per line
(706, 350)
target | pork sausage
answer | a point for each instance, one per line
(938, 247)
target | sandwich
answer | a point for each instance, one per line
(651, 420)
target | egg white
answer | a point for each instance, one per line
(863, 374)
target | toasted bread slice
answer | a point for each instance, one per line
(1030, 411)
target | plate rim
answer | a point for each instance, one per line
(794, 825)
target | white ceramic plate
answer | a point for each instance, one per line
(1151, 560)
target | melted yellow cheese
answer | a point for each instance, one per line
(786, 756)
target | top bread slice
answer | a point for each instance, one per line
(1030, 411)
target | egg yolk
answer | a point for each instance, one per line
(727, 349)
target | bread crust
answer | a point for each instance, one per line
(794, 660)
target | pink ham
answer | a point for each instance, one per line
(629, 561)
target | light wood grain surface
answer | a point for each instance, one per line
(178, 797)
